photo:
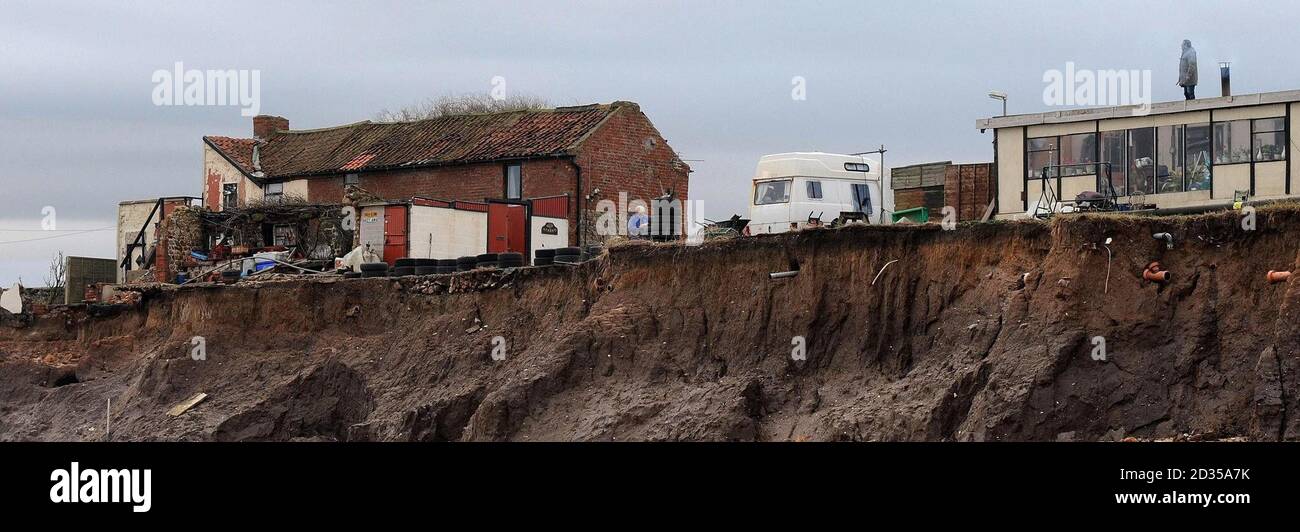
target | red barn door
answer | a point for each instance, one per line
(394, 233)
(507, 228)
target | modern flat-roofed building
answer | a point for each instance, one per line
(1185, 154)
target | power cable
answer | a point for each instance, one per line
(80, 232)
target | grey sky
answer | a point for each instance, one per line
(78, 130)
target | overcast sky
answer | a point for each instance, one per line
(79, 132)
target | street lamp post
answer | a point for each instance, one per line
(999, 95)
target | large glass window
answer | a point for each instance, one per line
(1268, 142)
(1081, 151)
(1196, 163)
(769, 192)
(1169, 159)
(1042, 154)
(1232, 142)
(1113, 144)
(1141, 160)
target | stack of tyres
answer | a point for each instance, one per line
(465, 264)
(544, 257)
(403, 267)
(510, 260)
(426, 266)
(446, 266)
(374, 269)
(487, 260)
(414, 266)
(569, 255)
(351, 275)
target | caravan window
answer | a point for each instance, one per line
(862, 197)
(814, 190)
(768, 192)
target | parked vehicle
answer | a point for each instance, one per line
(806, 189)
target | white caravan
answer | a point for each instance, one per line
(791, 188)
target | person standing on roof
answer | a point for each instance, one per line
(638, 224)
(1187, 71)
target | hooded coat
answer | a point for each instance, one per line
(1187, 66)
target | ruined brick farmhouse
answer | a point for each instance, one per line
(576, 155)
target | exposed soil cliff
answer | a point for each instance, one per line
(982, 333)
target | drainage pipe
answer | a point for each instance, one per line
(1166, 237)
(1156, 273)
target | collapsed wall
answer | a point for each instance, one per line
(984, 333)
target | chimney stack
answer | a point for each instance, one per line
(1225, 78)
(265, 125)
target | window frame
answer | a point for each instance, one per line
(229, 196)
(1179, 135)
(1123, 159)
(789, 183)
(1131, 162)
(1209, 135)
(1055, 150)
(1079, 168)
(1214, 140)
(1255, 132)
(278, 196)
(814, 185)
(858, 197)
(505, 180)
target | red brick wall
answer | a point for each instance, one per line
(474, 182)
(627, 154)
(212, 191)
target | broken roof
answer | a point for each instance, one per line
(453, 139)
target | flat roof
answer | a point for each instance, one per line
(1098, 113)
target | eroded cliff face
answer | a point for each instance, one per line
(982, 333)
